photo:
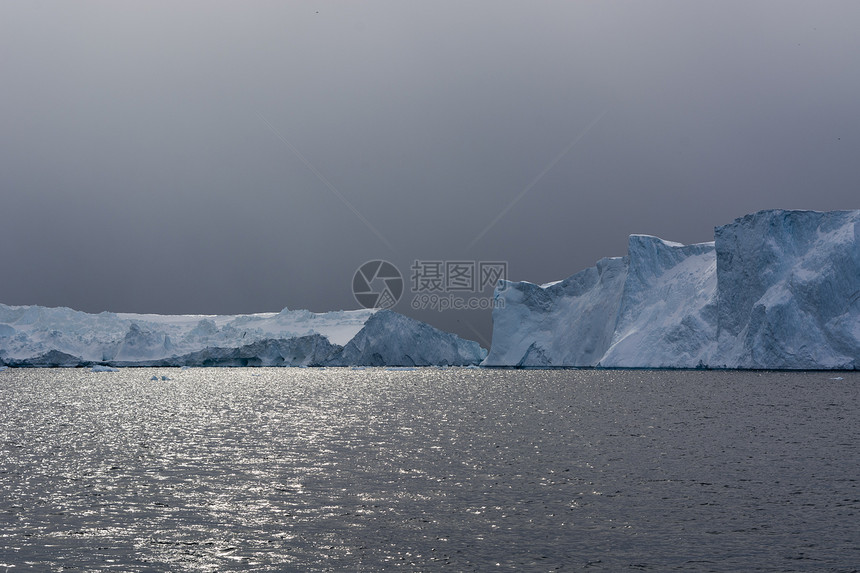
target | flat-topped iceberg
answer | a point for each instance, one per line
(776, 289)
(41, 336)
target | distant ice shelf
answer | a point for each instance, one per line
(42, 336)
(775, 290)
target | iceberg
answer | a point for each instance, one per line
(775, 290)
(391, 339)
(62, 337)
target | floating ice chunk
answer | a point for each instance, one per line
(103, 368)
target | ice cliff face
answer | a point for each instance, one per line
(40, 336)
(570, 322)
(789, 290)
(650, 306)
(776, 289)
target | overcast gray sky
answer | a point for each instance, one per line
(227, 157)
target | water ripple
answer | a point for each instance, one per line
(329, 469)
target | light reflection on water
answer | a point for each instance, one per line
(332, 469)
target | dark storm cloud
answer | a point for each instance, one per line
(211, 158)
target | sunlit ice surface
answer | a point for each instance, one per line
(373, 469)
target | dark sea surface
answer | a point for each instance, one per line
(364, 470)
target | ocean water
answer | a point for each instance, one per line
(375, 469)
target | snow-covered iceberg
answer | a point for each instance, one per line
(776, 289)
(41, 336)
